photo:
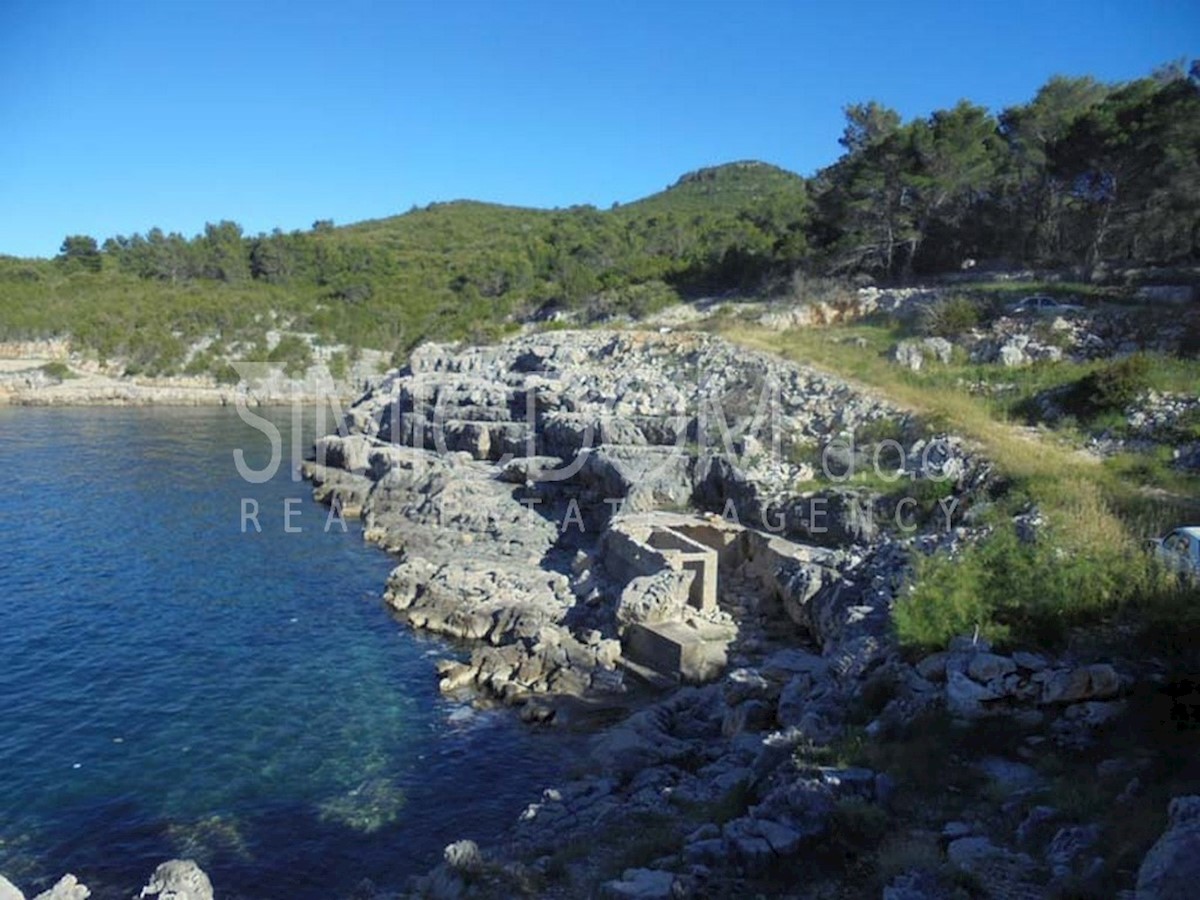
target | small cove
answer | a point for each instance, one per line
(172, 686)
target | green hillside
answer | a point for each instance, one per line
(1086, 177)
(451, 270)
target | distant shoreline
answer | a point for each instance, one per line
(25, 382)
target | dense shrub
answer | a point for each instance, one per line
(57, 369)
(949, 597)
(634, 300)
(949, 317)
(1015, 590)
(1109, 389)
(805, 288)
(339, 365)
(294, 353)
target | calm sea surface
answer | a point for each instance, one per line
(172, 686)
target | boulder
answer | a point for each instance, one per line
(1171, 869)
(178, 879)
(9, 891)
(983, 667)
(660, 597)
(645, 478)
(1011, 355)
(811, 707)
(933, 667)
(800, 587)
(1006, 874)
(640, 884)
(940, 348)
(1095, 682)
(69, 888)
(757, 841)
(1030, 662)
(908, 354)
(967, 699)
(1067, 850)
(747, 684)
(463, 856)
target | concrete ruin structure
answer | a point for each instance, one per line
(672, 566)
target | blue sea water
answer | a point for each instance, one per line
(173, 686)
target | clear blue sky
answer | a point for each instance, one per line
(118, 116)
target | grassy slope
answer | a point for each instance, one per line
(1094, 508)
(1094, 569)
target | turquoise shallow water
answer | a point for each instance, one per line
(171, 686)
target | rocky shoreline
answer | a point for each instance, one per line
(176, 879)
(51, 373)
(32, 386)
(624, 521)
(649, 535)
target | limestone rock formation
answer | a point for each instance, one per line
(1171, 870)
(67, 888)
(178, 879)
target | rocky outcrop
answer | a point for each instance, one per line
(1154, 422)
(67, 888)
(911, 354)
(53, 373)
(178, 879)
(589, 508)
(173, 880)
(495, 474)
(594, 504)
(1171, 870)
(1073, 701)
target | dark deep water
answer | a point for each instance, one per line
(170, 686)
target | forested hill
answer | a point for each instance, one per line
(1083, 173)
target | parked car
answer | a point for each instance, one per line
(1042, 305)
(1179, 551)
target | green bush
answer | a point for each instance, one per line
(886, 428)
(949, 317)
(59, 370)
(1027, 592)
(339, 364)
(294, 353)
(1109, 389)
(634, 300)
(1187, 426)
(224, 373)
(949, 596)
